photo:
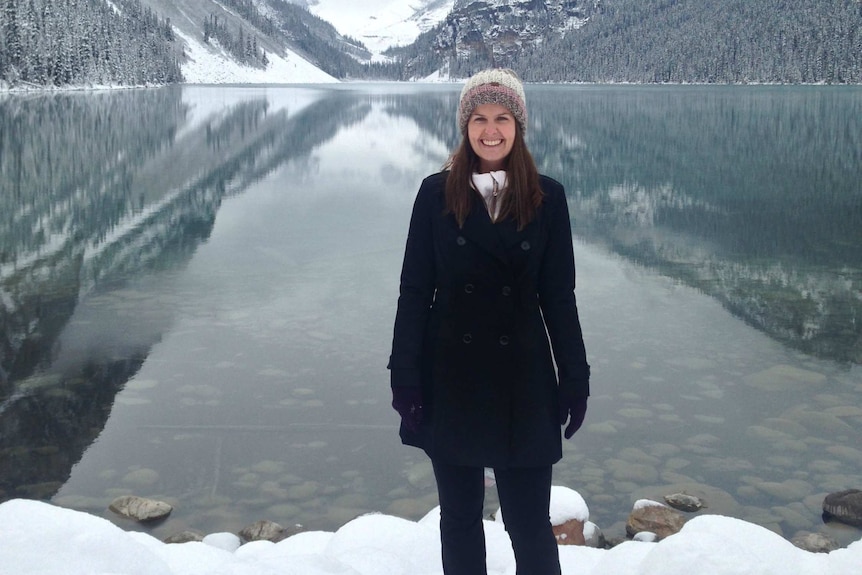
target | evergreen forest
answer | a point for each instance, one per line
(62, 42)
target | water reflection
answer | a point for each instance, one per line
(98, 190)
(208, 289)
(752, 195)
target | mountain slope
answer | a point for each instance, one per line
(219, 59)
(732, 41)
(381, 24)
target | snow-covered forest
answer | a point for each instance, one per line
(648, 41)
(60, 42)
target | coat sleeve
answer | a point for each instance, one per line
(416, 293)
(557, 296)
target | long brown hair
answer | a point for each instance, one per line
(523, 193)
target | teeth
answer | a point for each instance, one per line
(491, 142)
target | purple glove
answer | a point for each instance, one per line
(407, 401)
(573, 410)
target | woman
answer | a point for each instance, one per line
(488, 277)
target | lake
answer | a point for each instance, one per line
(198, 284)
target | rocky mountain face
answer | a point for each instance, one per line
(499, 30)
(479, 33)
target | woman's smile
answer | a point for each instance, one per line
(491, 132)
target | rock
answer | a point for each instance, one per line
(184, 537)
(659, 519)
(720, 502)
(815, 543)
(593, 536)
(685, 502)
(570, 533)
(140, 508)
(261, 531)
(844, 506)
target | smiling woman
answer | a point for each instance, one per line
(487, 290)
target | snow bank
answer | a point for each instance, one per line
(40, 539)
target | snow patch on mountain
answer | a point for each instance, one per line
(380, 24)
(204, 66)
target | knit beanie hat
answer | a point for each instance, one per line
(494, 86)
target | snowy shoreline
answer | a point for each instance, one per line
(41, 538)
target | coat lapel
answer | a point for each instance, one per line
(479, 229)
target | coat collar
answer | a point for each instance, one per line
(493, 238)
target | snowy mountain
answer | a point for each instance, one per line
(306, 40)
(288, 41)
(479, 33)
(381, 24)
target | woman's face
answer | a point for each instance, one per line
(491, 133)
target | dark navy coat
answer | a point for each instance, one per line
(476, 308)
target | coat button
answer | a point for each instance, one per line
(468, 337)
(468, 288)
(507, 290)
(460, 240)
(525, 245)
(504, 340)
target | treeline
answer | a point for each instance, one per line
(243, 47)
(60, 42)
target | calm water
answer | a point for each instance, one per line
(197, 288)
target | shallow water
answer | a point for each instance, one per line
(198, 307)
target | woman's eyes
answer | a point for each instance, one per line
(482, 119)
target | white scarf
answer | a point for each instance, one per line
(491, 186)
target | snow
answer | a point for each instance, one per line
(203, 66)
(41, 539)
(641, 503)
(566, 504)
(380, 24)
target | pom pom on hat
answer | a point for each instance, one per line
(494, 86)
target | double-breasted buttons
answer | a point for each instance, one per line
(525, 245)
(467, 338)
(460, 241)
(506, 290)
(504, 340)
(468, 288)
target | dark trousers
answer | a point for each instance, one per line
(525, 496)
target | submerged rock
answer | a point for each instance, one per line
(140, 508)
(844, 506)
(262, 531)
(184, 537)
(815, 543)
(685, 502)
